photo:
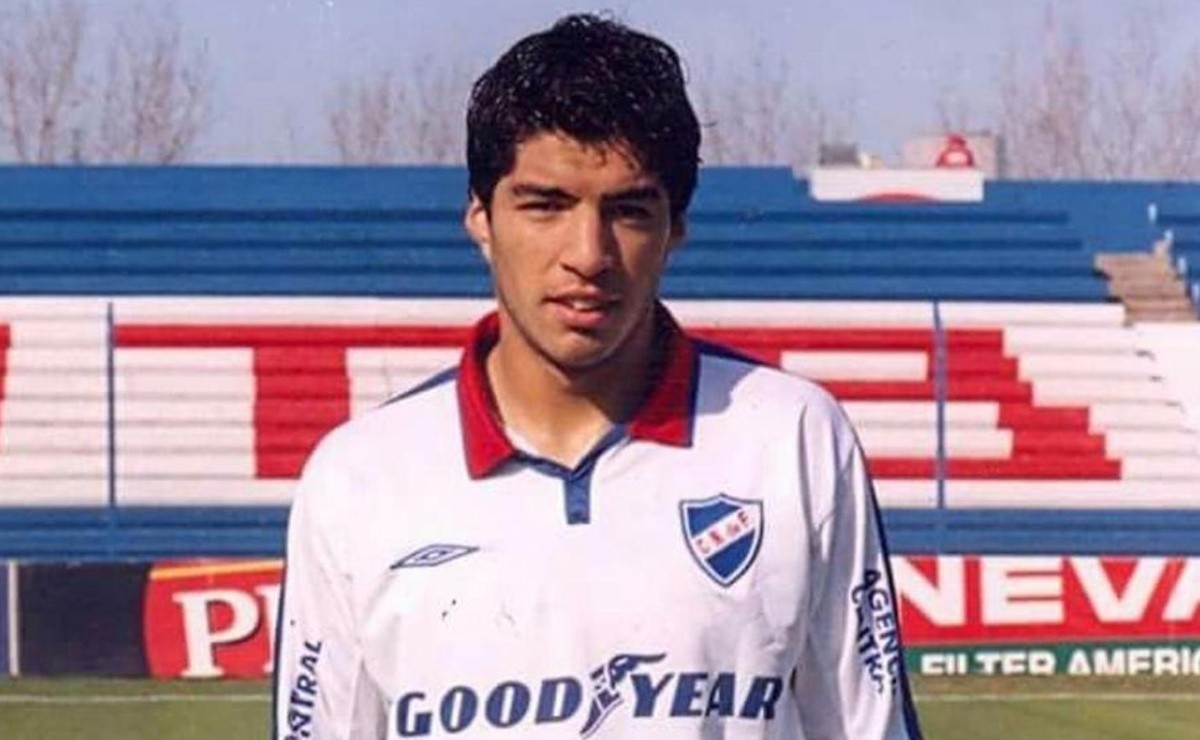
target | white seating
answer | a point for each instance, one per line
(923, 442)
(883, 365)
(1056, 365)
(962, 314)
(1085, 391)
(1079, 340)
(136, 491)
(1034, 389)
(1038, 494)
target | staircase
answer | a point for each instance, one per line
(1147, 284)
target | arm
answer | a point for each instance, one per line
(321, 689)
(850, 682)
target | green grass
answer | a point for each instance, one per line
(1058, 708)
(967, 708)
(171, 710)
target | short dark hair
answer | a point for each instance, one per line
(597, 81)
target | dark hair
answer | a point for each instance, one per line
(596, 81)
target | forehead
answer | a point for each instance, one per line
(551, 158)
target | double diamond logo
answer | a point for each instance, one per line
(431, 555)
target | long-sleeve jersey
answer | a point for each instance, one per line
(714, 568)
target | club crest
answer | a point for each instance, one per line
(723, 534)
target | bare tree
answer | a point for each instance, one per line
(431, 121)
(757, 114)
(41, 93)
(1128, 96)
(154, 99)
(364, 120)
(1122, 117)
(411, 116)
(1177, 149)
(152, 102)
(953, 109)
(1047, 116)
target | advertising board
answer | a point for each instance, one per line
(959, 614)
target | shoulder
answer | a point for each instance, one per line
(765, 389)
(745, 404)
(415, 424)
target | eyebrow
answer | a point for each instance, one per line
(645, 192)
(531, 190)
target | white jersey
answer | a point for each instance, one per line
(712, 569)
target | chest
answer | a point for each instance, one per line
(708, 566)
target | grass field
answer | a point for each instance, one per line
(950, 709)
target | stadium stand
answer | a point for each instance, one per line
(173, 342)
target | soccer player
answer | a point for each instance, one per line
(593, 526)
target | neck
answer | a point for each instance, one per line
(563, 412)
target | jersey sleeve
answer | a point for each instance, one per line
(850, 681)
(321, 688)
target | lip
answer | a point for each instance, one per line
(588, 319)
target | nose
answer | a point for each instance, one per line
(591, 244)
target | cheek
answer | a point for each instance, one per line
(516, 262)
(645, 261)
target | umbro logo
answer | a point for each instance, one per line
(431, 555)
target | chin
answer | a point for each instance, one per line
(580, 360)
(577, 352)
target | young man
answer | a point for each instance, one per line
(594, 526)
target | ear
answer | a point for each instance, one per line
(478, 224)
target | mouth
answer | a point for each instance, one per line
(584, 312)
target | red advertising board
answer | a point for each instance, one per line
(211, 619)
(954, 599)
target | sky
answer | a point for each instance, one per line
(276, 63)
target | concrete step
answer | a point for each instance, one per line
(1154, 271)
(1118, 262)
(1147, 285)
(1159, 304)
(1135, 317)
(1152, 289)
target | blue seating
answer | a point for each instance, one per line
(735, 192)
(753, 232)
(1181, 216)
(702, 259)
(886, 287)
(1050, 236)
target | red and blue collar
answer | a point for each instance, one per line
(665, 416)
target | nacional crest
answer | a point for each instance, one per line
(723, 534)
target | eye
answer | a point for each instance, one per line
(542, 206)
(632, 212)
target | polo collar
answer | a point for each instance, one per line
(665, 416)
